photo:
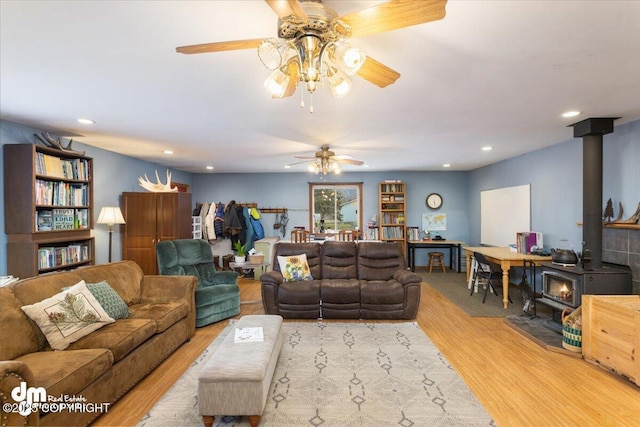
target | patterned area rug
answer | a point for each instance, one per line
(344, 374)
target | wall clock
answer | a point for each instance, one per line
(434, 201)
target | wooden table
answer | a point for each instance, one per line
(412, 245)
(505, 258)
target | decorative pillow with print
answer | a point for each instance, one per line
(68, 316)
(294, 268)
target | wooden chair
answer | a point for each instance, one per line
(300, 236)
(346, 235)
(436, 259)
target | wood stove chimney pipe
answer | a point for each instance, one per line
(591, 131)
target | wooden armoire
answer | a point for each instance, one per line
(151, 218)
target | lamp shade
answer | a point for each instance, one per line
(110, 215)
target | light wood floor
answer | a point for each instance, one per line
(517, 381)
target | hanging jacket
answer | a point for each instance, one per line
(258, 229)
(232, 224)
(249, 237)
(218, 221)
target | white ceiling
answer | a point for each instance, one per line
(496, 73)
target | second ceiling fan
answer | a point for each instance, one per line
(311, 46)
(325, 161)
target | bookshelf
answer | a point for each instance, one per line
(393, 211)
(48, 197)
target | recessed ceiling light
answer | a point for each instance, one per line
(209, 168)
(86, 121)
(446, 165)
(570, 114)
(365, 165)
(287, 166)
(168, 152)
(487, 148)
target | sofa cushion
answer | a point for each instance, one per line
(15, 323)
(379, 260)
(215, 294)
(125, 277)
(299, 293)
(341, 291)
(163, 314)
(119, 338)
(381, 292)
(339, 260)
(311, 250)
(109, 300)
(67, 372)
(68, 316)
(294, 268)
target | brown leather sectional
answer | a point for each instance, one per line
(351, 280)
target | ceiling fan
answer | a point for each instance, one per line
(311, 46)
(325, 161)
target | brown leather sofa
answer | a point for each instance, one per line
(363, 280)
(98, 369)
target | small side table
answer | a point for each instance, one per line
(249, 266)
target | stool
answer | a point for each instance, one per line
(237, 378)
(436, 259)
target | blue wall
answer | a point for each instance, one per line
(555, 175)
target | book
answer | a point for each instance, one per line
(64, 219)
(248, 335)
(44, 220)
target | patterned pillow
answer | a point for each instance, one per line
(68, 316)
(109, 300)
(294, 268)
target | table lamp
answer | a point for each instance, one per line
(110, 215)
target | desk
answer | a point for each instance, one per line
(412, 245)
(505, 258)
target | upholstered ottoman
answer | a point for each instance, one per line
(236, 380)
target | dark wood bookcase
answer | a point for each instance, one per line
(48, 198)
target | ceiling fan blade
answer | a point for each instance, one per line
(284, 8)
(220, 46)
(305, 157)
(349, 161)
(377, 73)
(393, 15)
(298, 163)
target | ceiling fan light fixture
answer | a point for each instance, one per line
(339, 83)
(277, 83)
(349, 58)
(274, 53)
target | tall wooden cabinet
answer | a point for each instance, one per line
(151, 218)
(48, 199)
(393, 212)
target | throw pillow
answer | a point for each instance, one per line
(68, 316)
(294, 268)
(109, 300)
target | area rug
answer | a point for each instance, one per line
(344, 374)
(455, 288)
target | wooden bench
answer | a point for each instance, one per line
(237, 378)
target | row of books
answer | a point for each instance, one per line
(392, 218)
(52, 256)
(392, 232)
(527, 240)
(62, 168)
(413, 233)
(373, 234)
(392, 188)
(62, 219)
(61, 193)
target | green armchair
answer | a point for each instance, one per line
(217, 294)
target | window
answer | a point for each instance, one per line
(335, 206)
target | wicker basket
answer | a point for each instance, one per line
(572, 330)
(256, 259)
